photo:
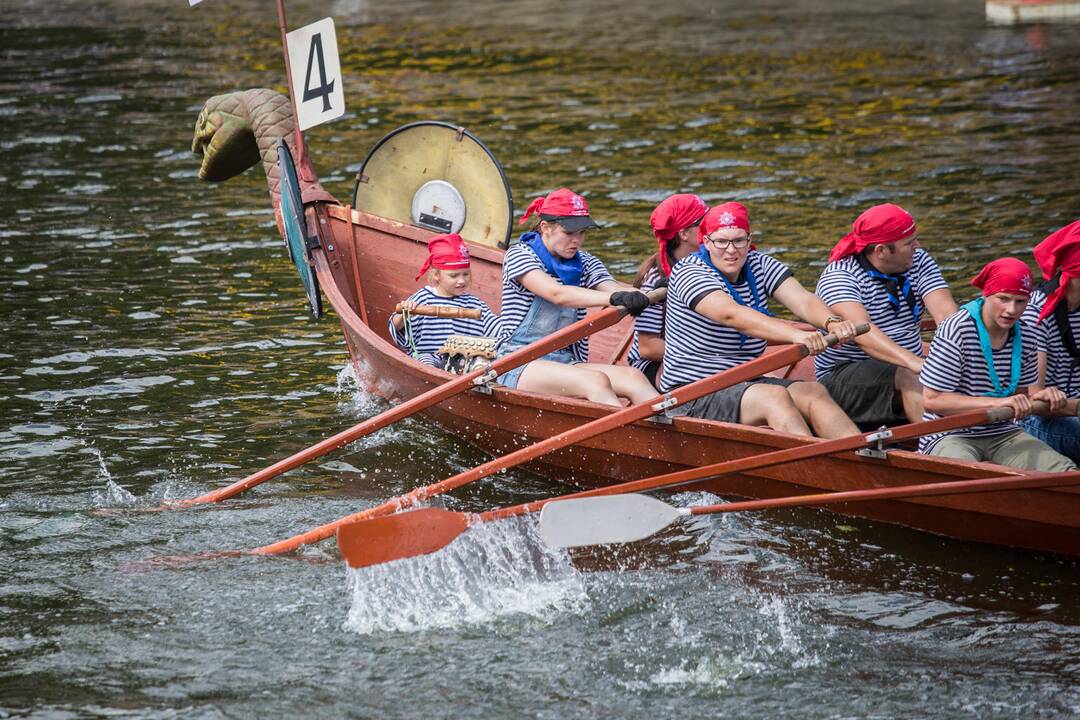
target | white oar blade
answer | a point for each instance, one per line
(602, 520)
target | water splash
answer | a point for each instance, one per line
(114, 494)
(495, 570)
(355, 401)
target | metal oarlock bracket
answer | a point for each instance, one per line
(484, 382)
(661, 407)
(668, 401)
(880, 453)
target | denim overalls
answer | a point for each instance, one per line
(543, 319)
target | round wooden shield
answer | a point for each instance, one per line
(402, 166)
(292, 219)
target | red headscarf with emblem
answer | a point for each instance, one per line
(560, 203)
(1005, 275)
(445, 252)
(880, 225)
(675, 213)
(1060, 251)
(722, 217)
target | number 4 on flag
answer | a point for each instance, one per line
(316, 74)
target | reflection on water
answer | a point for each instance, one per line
(156, 344)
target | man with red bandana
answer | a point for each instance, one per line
(718, 317)
(674, 224)
(1053, 316)
(981, 359)
(878, 274)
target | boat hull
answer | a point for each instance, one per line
(367, 266)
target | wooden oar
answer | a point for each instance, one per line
(627, 518)
(659, 403)
(444, 311)
(403, 535)
(570, 334)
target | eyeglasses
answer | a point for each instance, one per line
(721, 244)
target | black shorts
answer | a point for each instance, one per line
(866, 391)
(724, 404)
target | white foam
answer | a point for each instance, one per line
(494, 570)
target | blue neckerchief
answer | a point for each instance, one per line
(569, 271)
(974, 309)
(895, 285)
(758, 302)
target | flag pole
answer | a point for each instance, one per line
(302, 164)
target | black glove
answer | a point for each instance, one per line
(634, 301)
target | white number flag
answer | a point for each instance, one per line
(316, 74)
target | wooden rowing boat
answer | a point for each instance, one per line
(365, 264)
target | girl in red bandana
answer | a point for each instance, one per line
(1053, 317)
(674, 225)
(448, 279)
(980, 359)
(548, 281)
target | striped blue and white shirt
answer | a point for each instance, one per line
(517, 299)
(650, 321)
(846, 281)
(1062, 371)
(429, 333)
(956, 364)
(696, 347)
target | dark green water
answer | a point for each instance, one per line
(154, 344)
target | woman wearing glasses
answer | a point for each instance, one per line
(675, 226)
(718, 317)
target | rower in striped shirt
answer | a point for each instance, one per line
(718, 317)
(1053, 316)
(980, 359)
(548, 281)
(878, 274)
(674, 224)
(448, 276)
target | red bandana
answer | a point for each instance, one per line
(445, 252)
(1005, 275)
(722, 217)
(560, 203)
(1059, 252)
(880, 225)
(675, 213)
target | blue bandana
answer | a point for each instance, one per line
(974, 309)
(568, 271)
(759, 303)
(895, 286)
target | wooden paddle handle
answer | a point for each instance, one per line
(999, 414)
(445, 311)
(860, 329)
(657, 296)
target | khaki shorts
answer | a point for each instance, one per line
(1014, 448)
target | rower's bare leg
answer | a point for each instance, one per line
(628, 382)
(910, 389)
(821, 411)
(772, 405)
(552, 378)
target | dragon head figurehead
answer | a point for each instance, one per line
(236, 130)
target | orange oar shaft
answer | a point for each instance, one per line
(953, 487)
(684, 394)
(570, 334)
(770, 459)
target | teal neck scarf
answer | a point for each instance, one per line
(974, 308)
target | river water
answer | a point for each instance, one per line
(155, 345)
